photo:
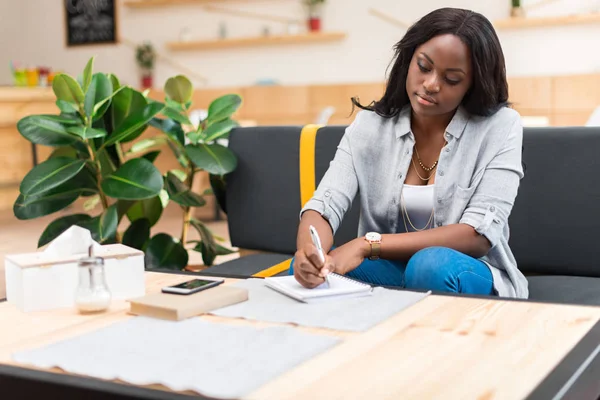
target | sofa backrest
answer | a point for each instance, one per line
(555, 220)
(263, 193)
(553, 225)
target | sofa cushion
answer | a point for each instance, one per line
(555, 219)
(565, 289)
(263, 192)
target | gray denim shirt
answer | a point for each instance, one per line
(476, 181)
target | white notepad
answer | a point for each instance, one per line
(339, 287)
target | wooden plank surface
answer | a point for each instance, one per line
(318, 37)
(443, 348)
(535, 22)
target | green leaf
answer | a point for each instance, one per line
(218, 185)
(145, 144)
(179, 89)
(59, 225)
(101, 107)
(91, 203)
(137, 234)
(150, 209)
(124, 103)
(99, 89)
(87, 74)
(64, 151)
(164, 198)
(104, 226)
(218, 130)
(172, 128)
(115, 81)
(213, 158)
(223, 107)
(43, 130)
(181, 194)
(86, 133)
(65, 119)
(151, 155)
(35, 206)
(174, 105)
(66, 88)
(179, 174)
(123, 207)
(163, 251)
(137, 179)
(194, 137)
(133, 123)
(176, 115)
(50, 174)
(209, 257)
(107, 166)
(66, 107)
(206, 236)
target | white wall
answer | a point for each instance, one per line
(33, 33)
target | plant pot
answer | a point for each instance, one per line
(314, 24)
(517, 12)
(147, 81)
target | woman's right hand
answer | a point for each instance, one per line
(308, 268)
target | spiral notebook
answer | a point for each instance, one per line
(339, 287)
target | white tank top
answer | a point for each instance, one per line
(417, 201)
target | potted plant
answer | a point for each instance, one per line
(314, 14)
(145, 57)
(197, 150)
(517, 11)
(97, 157)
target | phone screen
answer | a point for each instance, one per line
(196, 283)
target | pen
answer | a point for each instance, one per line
(317, 242)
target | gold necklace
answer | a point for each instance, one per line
(428, 169)
(417, 172)
(406, 217)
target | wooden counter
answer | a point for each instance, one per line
(16, 152)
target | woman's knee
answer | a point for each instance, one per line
(425, 269)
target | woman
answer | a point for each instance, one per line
(438, 164)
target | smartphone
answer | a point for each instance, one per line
(192, 286)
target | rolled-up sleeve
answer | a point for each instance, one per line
(334, 194)
(492, 201)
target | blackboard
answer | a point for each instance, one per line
(90, 22)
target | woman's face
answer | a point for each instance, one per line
(439, 75)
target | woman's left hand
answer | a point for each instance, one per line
(349, 256)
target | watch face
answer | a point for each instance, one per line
(373, 236)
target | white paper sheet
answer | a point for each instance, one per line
(349, 314)
(213, 359)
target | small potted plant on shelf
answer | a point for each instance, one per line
(314, 14)
(145, 57)
(517, 11)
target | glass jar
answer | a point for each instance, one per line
(92, 292)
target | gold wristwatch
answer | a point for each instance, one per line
(374, 239)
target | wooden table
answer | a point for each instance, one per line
(442, 347)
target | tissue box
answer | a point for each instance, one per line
(46, 280)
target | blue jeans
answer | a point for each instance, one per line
(434, 268)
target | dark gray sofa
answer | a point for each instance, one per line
(553, 224)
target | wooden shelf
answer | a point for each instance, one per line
(167, 3)
(517, 23)
(257, 41)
